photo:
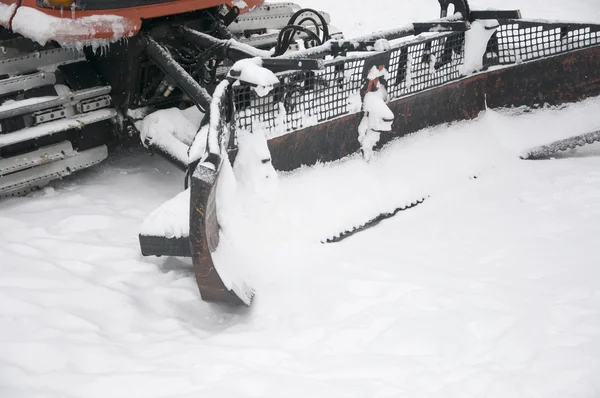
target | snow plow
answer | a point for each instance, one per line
(267, 87)
(366, 93)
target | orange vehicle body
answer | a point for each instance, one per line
(131, 17)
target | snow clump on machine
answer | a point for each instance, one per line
(377, 117)
(250, 71)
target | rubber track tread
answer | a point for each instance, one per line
(545, 151)
(372, 223)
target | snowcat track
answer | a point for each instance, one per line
(372, 223)
(48, 58)
(545, 151)
(23, 182)
(71, 98)
(47, 134)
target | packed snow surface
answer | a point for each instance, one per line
(490, 288)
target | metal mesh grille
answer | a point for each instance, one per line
(301, 98)
(306, 98)
(525, 41)
(417, 67)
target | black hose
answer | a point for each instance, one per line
(285, 38)
(180, 76)
(286, 35)
(321, 18)
(317, 27)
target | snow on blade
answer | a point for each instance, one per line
(171, 220)
(231, 267)
(378, 117)
(244, 193)
(202, 146)
(253, 168)
(476, 40)
(382, 45)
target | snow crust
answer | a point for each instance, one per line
(42, 28)
(172, 130)
(250, 71)
(6, 13)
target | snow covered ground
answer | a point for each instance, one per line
(491, 288)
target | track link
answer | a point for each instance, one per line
(372, 223)
(545, 151)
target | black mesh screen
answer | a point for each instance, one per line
(306, 98)
(417, 67)
(301, 98)
(520, 41)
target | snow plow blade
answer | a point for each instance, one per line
(372, 92)
(205, 236)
